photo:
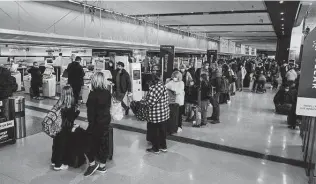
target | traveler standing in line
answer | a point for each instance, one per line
(241, 73)
(176, 85)
(75, 77)
(205, 98)
(157, 100)
(36, 81)
(291, 75)
(122, 84)
(188, 90)
(227, 74)
(67, 107)
(99, 118)
(216, 82)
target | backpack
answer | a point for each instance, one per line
(224, 88)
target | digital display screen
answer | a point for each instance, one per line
(136, 75)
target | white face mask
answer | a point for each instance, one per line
(182, 70)
(175, 79)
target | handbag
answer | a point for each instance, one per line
(51, 124)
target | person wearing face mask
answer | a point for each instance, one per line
(176, 96)
(36, 81)
(282, 100)
(122, 84)
(188, 89)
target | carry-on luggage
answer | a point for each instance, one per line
(139, 110)
(172, 126)
(77, 147)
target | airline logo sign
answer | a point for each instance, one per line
(306, 102)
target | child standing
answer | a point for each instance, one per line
(68, 111)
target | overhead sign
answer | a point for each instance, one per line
(167, 53)
(306, 102)
(211, 56)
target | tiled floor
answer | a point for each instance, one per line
(247, 123)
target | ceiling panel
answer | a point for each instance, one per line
(214, 19)
(230, 28)
(161, 7)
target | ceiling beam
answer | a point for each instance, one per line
(201, 13)
(234, 31)
(205, 25)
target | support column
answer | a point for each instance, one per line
(283, 48)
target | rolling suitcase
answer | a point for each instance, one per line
(76, 148)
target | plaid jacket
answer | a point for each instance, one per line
(157, 100)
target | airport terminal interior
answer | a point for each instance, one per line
(152, 92)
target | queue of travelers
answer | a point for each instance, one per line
(187, 94)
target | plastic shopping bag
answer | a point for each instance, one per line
(116, 110)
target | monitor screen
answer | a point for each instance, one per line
(136, 75)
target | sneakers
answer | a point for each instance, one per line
(215, 122)
(91, 170)
(62, 167)
(101, 169)
(151, 150)
(179, 130)
(163, 150)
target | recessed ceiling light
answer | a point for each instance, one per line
(281, 2)
(282, 13)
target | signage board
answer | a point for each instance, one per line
(7, 131)
(167, 53)
(211, 56)
(306, 101)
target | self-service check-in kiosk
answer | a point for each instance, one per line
(135, 74)
(49, 82)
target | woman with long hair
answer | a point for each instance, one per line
(99, 118)
(68, 110)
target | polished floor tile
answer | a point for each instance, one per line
(28, 162)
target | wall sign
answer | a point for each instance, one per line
(306, 102)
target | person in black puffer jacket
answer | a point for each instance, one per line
(8, 84)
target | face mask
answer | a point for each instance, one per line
(287, 90)
(175, 79)
(182, 70)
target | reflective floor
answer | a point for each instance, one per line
(221, 154)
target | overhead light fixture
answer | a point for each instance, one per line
(282, 13)
(282, 18)
(281, 2)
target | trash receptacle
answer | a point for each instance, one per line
(17, 105)
(7, 128)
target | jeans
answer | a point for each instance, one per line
(214, 100)
(204, 107)
(159, 135)
(181, 112)
(98, 145)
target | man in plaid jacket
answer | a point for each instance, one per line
(157, 101)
